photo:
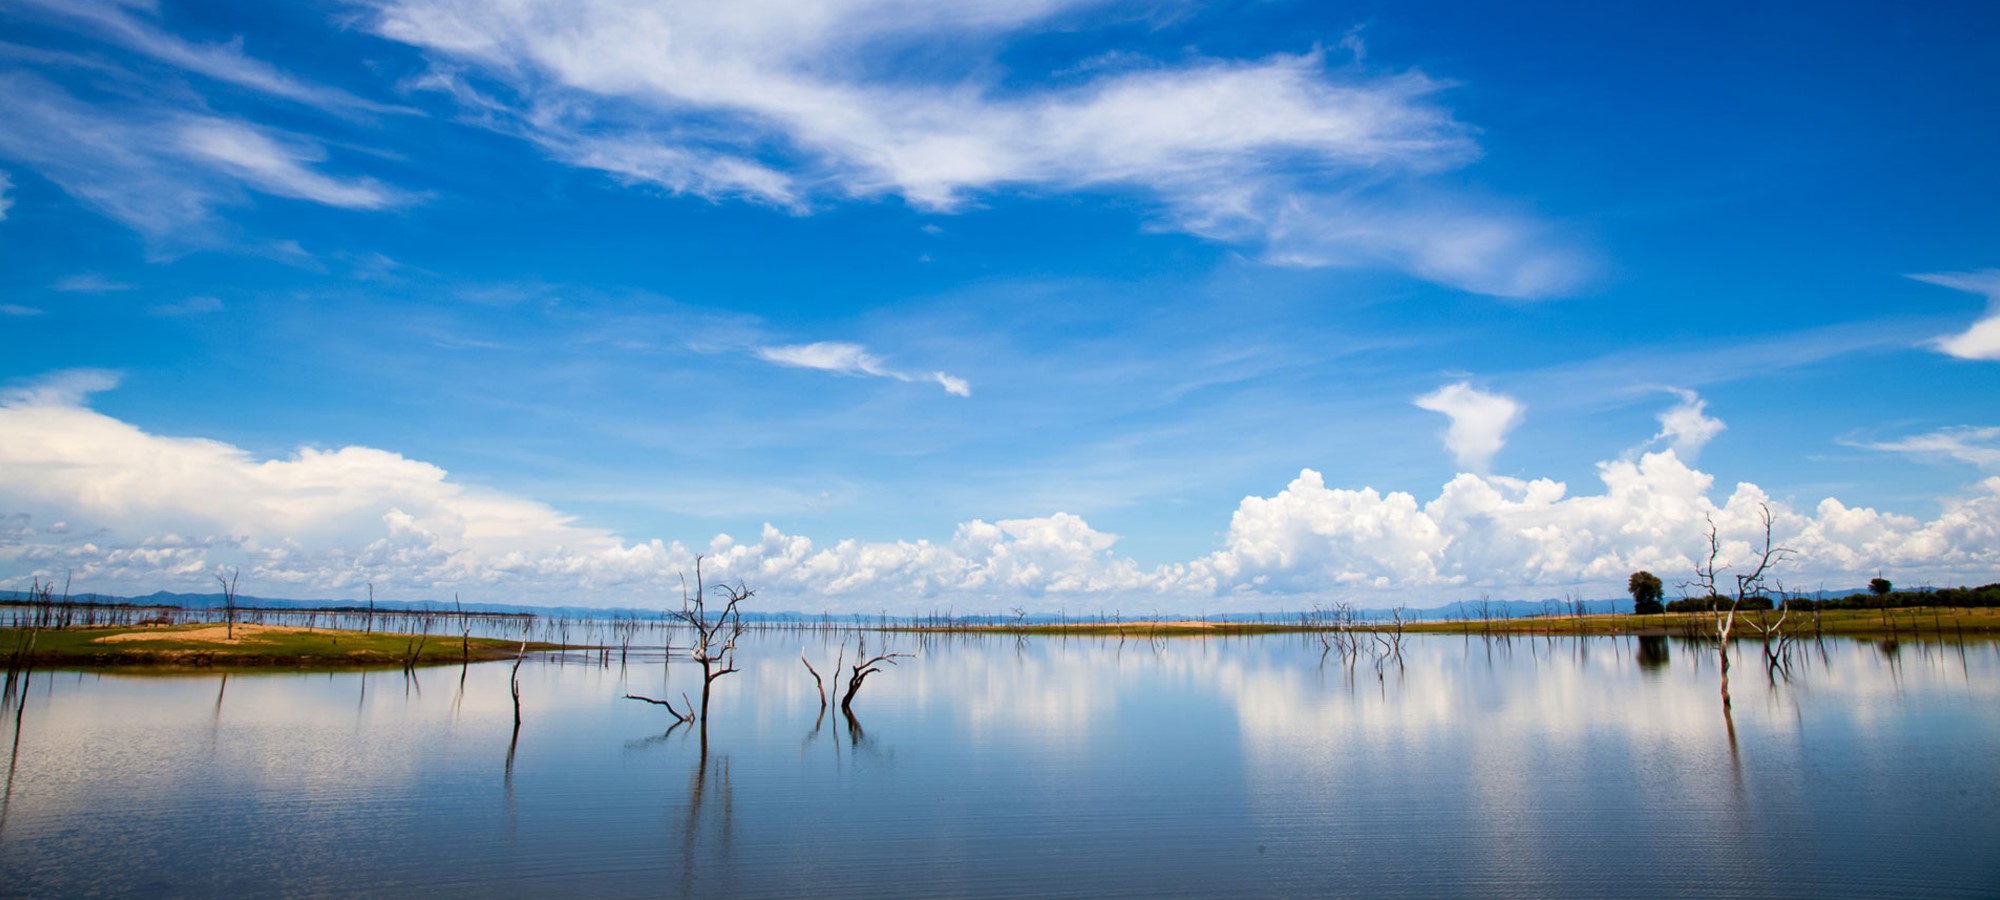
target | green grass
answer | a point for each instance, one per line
(322, 648)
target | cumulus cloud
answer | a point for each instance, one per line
(1966, 444)
(1686, 426)
(1479, 421)
(789, 102)
(1506, 534)
(852, 359)
(1982, 340)
(128, 510)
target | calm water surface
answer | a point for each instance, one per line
(989, 766)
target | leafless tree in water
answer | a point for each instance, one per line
(859, 672)
(1749, 583)
(714, 640)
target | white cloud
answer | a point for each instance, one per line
(829, 356)
(788, 101)
(142, 511)
(1982, 340)
(68, 388)
(15, 309)
(159, 170)
(953, 385)
(1479, 421)
(276, 167)
(1503, 534)
(123, 23)
(89, 283)
(1966, 444)
(1686, 426)
(192, 306)
(852, 359)
(6, 202)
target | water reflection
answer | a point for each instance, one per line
(1654, 655)
(997, 767)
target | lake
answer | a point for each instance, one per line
(994, 766)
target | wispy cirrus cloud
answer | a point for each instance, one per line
(6, 188)
(791, 103)
(160, 170)
(1479, 421)
(135, 26)
(1982, 340)
(192, 306)
(1978, 446)
(853, 359)
(89, 283)
(279, 167)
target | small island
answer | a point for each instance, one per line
(250, 646)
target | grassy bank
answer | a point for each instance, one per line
(254, 646)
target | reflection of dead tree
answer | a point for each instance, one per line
(1748, 583)
(1777, 639)
(514, 688)
(19, 699)
(1390, 642)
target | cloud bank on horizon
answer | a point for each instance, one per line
(111, 505)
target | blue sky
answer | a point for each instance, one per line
(888, 304)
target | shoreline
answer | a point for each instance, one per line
(1948, 622)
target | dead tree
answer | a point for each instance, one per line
(714, 644)
(818, 682)
(514, 682)
(860, 671)
(1748, 583)
(229, 600)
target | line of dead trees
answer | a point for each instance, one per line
(713, 634)
(856, 674)
(1342, 629)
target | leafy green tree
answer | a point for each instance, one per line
(1646, 592)
(1880, 586)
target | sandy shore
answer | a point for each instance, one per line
(212, 634)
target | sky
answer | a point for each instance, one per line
(1057, 305)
